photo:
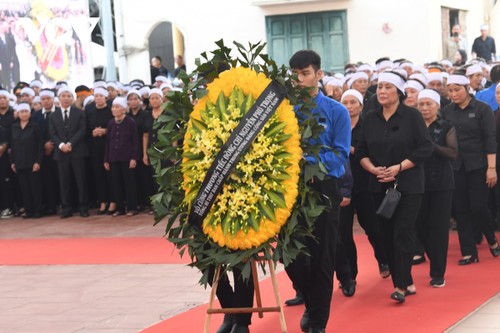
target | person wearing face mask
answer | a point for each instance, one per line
(435, 212)
(393, 146)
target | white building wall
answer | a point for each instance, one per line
(415, 26)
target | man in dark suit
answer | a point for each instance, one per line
(50, 180)
(67, 128)
(8, 57)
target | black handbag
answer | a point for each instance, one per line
(390, 202)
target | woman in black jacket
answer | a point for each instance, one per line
(26, 159)
(98, 117)
(435, 212)
(475, 166)
(393, 146)
(362, 201)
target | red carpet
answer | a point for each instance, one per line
(371, 309)
(137, 250)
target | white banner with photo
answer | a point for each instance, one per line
(45, 39)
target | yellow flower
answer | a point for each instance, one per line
(240, 215)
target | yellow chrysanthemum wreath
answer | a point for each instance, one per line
(257, 198)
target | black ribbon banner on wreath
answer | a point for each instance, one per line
(238, 143)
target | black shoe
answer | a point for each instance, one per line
(84, 213)
(27, 215)
(316, 330)
(496, 251)
(298, 300)
(240, 329)
(101, 212)
(418, 259)
(384, 270)
(65, 215)
(37, 215)
(348, 289)
(468, 261)
(437, 283)
(227, 324)
(398, 297)
(304, 322)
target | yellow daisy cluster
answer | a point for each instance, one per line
(258, 196)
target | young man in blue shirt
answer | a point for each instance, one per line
(313, 275)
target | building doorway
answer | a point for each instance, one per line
(323, 32)
(166, 41)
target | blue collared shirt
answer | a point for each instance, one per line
(334, 117)
(488, 96)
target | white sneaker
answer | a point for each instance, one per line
(6, 213)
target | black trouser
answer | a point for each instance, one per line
(102, 177)
(6, 183)
(50, 183)
(346, 267)
(240, 297)
(313, 275)
(65, 168)
(123, 178)
(398, 235)
(471, 201)
(143, 178)
(433, 229)
(361, 203)
(31, 190)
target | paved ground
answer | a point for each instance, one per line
(116, 298)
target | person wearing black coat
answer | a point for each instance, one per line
(475, 166)
(362, 203)
(434, 216)
(7, 185)
(67, 130)
(393, 146)
(26, 158)
(142, 172)
(98, 117)
(50, 179)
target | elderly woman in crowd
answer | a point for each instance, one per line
(121, 155)
(393, 146)
(435, 212)
(98, 117)
(475, 166)
(142, 172)
(361, 201)
(26, 156)
(412, 88)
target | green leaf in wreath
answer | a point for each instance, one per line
(226, 223)
(254, 221)
(267, 211)
(275, 128)
(277, 198)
